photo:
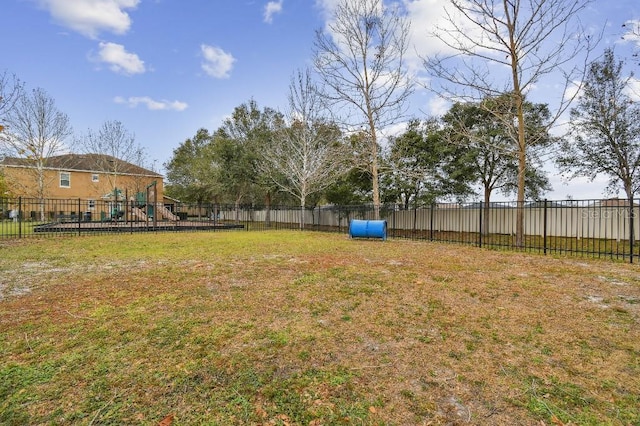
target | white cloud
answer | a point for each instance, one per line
(119, 60)
(425, 16)
(573, 90)
(151, 104)
(395, 129)
(217, 63)
(428, 17)
(90, 17)
(578, 188)
(438, 106)
(272, 8)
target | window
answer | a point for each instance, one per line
(95, 177)
(91, 204)
(65, 180)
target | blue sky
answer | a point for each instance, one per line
(166, 68)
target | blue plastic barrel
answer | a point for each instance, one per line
(368, 229)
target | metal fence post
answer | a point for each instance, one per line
(79, 218)
(431, 222)
(20, 217)
(544, 227)
(480, 225)
(632, 232)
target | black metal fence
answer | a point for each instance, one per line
(597, 228)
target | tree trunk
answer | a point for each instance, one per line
(41, 188)
(487, 212)
(237, 208)
(522, 147)
(302, 204)
(374, 169)
(522, 157)
(628, 187)
(521, 187)
(267, 218)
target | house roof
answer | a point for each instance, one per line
(100, 163)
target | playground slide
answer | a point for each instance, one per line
(138, 214)
(166, 213)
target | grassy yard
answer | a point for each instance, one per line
(291, 328)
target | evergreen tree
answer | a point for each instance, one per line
(605, 129)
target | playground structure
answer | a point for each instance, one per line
(146, 212)
(143, 207)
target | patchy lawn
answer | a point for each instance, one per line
(282, 328)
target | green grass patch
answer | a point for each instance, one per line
(311, 329)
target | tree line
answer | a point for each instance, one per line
(329, 144)
(492, 137)
(260, 156)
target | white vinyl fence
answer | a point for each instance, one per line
(589, 220)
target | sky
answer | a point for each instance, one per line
(166, 68)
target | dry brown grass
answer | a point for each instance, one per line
(311, 328)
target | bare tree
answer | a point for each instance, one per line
(360, 59)
(306, 156)
(112, 148)
(11, 90)
(36, 131)
(530, 39)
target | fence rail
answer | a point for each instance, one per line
(598, 228)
